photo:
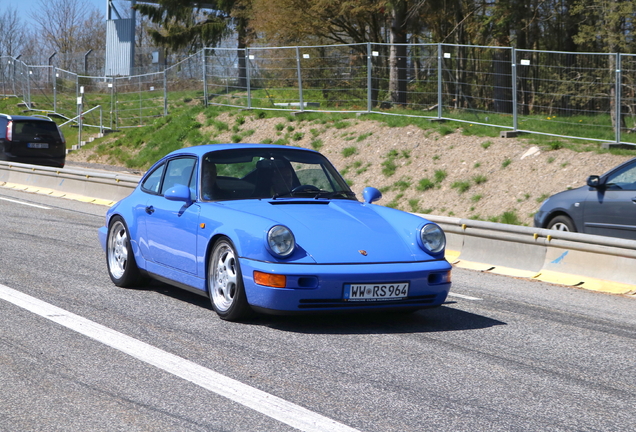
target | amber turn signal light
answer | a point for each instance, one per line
(271, 280)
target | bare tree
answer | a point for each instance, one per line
(69, 27)
(12, 34)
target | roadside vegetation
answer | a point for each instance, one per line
(352, 144)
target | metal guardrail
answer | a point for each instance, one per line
(582, 260)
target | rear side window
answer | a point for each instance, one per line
(26, 130)
(3, 127)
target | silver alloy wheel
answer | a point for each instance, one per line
(560, 226)
(223, 277)
(117, 250)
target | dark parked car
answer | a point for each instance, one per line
(605, 206)
(33, 140)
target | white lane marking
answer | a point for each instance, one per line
(269, 405)
(465, 297)
(25, 203)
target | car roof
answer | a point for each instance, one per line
(206, 148)
(24, 118)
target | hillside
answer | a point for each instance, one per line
(452, 174)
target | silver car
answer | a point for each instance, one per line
(605, 206)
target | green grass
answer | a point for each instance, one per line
(364, 136)
(479, 179)
(461, 186)
(440, 176)
(425, 184)
(349, 151)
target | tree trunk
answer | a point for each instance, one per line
(241, 30)
(398, 53)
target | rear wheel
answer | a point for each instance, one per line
(225, 282)
(120, 259)
(562, 223)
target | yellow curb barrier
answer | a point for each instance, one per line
(451, 255)
(587, 283)
(57, 194)
(470, 265)
(489, 268)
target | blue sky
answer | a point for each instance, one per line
(25, 7)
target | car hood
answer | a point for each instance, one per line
(343, 231)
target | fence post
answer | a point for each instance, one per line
(617, 96)
(369, 77)
(205, 77)
(165, 92)
(440, 56)
(80, 108)
(515, 123)
(141, 102)
(28, 78)
(115, 102)
(247, 77)
(300, 80)
(54, 89)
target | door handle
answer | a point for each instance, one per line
(150, 209)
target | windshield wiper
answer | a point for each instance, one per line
(334, 194)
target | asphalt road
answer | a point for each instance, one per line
(79, 354)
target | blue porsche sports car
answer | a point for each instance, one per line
(273, 229)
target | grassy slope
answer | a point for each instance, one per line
(342, 137)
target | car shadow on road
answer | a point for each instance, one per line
(443, 318)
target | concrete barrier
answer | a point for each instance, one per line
(99, 185)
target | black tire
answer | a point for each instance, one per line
(225, 282)
(562, 223)
(122, 267)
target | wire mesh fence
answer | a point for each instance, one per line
(138, 99)
(590, 96)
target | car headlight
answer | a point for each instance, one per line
(432, 238)
(281, 240)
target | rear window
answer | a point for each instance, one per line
(25, 130)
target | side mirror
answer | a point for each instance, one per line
(371, 194)
(594, 181)
(179, 192)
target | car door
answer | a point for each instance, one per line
(610, 209)
(171, 226)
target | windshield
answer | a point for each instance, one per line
(270, 173)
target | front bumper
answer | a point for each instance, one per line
(315, 287)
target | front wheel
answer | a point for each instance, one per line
(120, 259)
(562, 223)
(225, 282)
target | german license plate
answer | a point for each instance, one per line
(376, 292)
(38, 145)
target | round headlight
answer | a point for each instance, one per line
(433, 238)
(281, 240)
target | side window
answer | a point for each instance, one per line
(178, 171)
(153, 181)
(624, 179)
(3, 127)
